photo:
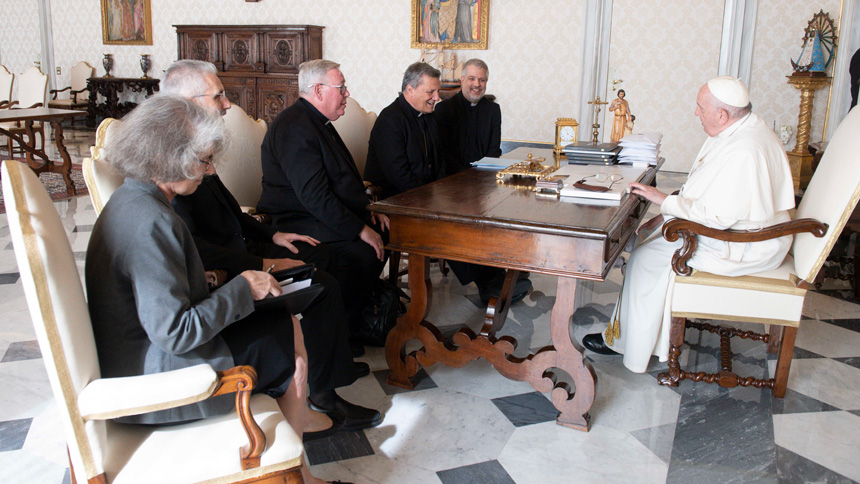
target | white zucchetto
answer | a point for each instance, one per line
(730, 90)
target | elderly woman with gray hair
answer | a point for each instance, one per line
(149, 302)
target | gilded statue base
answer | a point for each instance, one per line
(801, 168)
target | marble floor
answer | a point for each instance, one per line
(470, 425)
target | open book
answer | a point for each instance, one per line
(598, 182)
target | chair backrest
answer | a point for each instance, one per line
(830, 197)
(101, 179)
(6, 80)
(239, 167)
(57, 306)
(354, 128)
(32, 87)
(80, 73)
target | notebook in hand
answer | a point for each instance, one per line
(296, 295)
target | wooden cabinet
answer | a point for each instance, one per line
(257, 64)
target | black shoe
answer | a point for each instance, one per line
(361, 369)
(595, 343)
(494, 289)
(354, 416)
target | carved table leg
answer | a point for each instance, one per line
(66, 169)
(497, 309)
(574, 409)
(403, 367)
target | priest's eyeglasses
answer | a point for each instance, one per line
(342, 87)
(217, 97)
(603, 177)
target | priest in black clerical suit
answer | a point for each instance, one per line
(311, 184)
(404, 153)
(470, 125)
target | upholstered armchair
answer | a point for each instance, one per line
(32, 87)
(78, 94)
(774, 298)
(354, 129)
(253, 444)
(6, 80)
(101, 179)
(240, 168)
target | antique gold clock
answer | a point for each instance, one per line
(566, 130)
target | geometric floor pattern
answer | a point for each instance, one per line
(470, 425)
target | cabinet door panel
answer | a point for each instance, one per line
(284, 51)
(201, 46)
(240, 51)
(275, 95)
(241, 91)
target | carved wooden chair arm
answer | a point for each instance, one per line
(680, 228)
(6, 104)
(57, 91)
(241, 380)
(74, 94)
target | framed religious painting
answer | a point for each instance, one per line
(450, 24)
(126, 22)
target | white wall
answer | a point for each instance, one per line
(534, 52)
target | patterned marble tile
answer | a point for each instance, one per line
(13, 433)
(82, 228)
(853, 361)
(658, 439)
(792, 468)
(22, 350)
(527, 409)
(852, 324)
(826, 380)
(10, 278)
(490, 472)
(820, 306)
(343, 445)
(421, 380)
(830, 439)
(796, 402)
(828, 339)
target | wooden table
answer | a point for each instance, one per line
(472, 218)
(110, 87)
(49, 115)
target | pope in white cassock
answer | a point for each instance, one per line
(740, 180)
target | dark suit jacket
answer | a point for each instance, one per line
(220, 229)
(468, 133)
(396, 158)
(310, 183)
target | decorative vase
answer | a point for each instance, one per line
(145, 64)
(107, 62)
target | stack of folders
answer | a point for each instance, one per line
(640, 149)
(588, 153)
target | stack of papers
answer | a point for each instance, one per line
(640, 149)
(598, 176)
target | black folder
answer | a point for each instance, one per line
(296, 301)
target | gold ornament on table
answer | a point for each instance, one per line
(531, 167)
(596, 126)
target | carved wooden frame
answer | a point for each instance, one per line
(146, 21)
(483, 22)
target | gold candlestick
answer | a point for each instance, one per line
(799, 158)
(596, 126)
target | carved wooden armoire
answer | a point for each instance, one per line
(258, 64)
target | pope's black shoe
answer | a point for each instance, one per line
(595, 343)
(355, 417)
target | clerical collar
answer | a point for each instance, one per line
(734, 127)
(314, 111)
(403, 100)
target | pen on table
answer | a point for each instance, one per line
(269, 270)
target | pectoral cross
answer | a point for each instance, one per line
(596, 126)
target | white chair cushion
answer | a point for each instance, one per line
(830, 197)
(119, 397)
(766, 297)
(354, 128)
(101, 179)
(239, 166)
(202, 451)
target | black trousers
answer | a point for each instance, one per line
(467, 272)
(324, 324)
